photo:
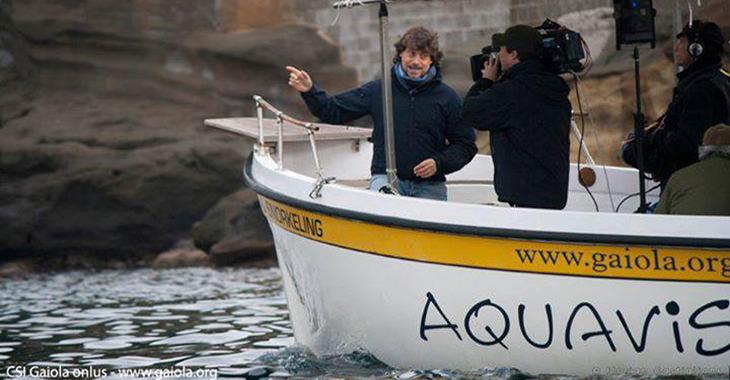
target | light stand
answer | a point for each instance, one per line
(639, 135)
(635, 25)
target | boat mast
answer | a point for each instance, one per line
(677, 26)
(390, 168)
(387, 91)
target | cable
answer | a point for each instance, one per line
(580, 142)
(634, 195)
(595, 140)
(589, 58)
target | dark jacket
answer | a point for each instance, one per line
(423, 118)
(700, 100)
(527, 113)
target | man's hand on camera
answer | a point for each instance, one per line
(491, 69)
(299, 79)
(426, 168)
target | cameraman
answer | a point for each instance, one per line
(527, 114)
(700, 100)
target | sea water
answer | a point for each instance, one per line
(194, 323)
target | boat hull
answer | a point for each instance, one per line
(468, 284)
(431, 299)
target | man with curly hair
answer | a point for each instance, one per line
(430, 139)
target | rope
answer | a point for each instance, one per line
(689, 5)
(345, 4)
(690, 13)
(580, 143)
(595, 140)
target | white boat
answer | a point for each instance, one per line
(470, 283)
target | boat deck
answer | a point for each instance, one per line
(249, 127)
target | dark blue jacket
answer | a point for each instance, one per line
(527, 113)
(424, 119)
(700, 100)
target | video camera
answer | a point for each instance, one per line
(562, 50)
(477, 61)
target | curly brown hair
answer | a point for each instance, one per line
(419, 38)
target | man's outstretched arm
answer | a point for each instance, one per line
(339, 109)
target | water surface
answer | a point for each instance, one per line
(233, 322)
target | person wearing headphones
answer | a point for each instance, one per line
(701, 99)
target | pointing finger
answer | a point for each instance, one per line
(293, 70)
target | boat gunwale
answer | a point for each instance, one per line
(567, 237)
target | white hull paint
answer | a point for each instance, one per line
(342, 299)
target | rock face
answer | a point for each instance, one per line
(106, 176)
(234, 230)
(102, 148)
(16, 70)
(178, 258)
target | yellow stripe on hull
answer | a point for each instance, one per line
(497, 253)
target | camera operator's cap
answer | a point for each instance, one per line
(522, 38)
(709, 33)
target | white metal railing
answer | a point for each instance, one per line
(280, 119)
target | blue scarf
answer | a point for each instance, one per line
(412, 83)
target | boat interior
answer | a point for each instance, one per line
(345, 153)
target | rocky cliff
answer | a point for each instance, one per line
(102, 148)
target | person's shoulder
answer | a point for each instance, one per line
(371, 84)
(441, 92)
(448, 91)
(510, 85)
(688, 175)
(706, 79)
(703, 88)
(561, 83)
(701, 81)
(370, 87)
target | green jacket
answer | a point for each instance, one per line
(699, 189)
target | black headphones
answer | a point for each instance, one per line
(694, 46)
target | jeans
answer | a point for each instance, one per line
(426, 189)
